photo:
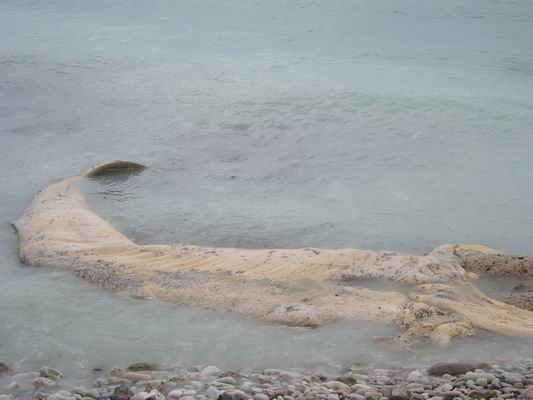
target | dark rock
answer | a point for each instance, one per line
(234, 395)
(452, 394)
(399, 393)
(455, 368)
(483, 394)
(122, 392)
(3, 368)
(275, 392)
(497, 264)
(142, 366)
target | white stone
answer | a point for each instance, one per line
(212, 392)
(209, 371)
(175, 394)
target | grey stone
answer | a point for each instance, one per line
(212, 392)
(175, 394)
(399, 393)
(122, 392)
(230, 380)
(336, 385)
(209, 371)
(483, 382)
(42, 382)
(479, 374)
(512, 379)
(415, 388)
(234, 395)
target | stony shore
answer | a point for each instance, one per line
(145, 381)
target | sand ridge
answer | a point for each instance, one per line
(300, 287)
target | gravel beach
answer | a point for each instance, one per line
(147, 381)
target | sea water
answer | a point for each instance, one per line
(366, 124)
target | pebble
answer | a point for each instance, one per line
(212, 392)
(175, 394)
(42, 382)
(140, 396)
(234, 395)
(137, 376)
(209, 371)
(120, 372)
(479, 374)
(142, 366)
(122, 392)
(230, 380)
(155, 395)
(512, 379)
(399, 393)
(336, 385)
(51, 373)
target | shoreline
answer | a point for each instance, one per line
(147, 381)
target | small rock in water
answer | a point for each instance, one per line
(3, 368)
(61, 396)
(230, 380)
(122, 392)
(120, 372)
(51, 373)
(142, 366)
(209, 371)
(42, 382)
(137, 376)
(336, 385)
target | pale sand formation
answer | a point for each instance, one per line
(436, 298)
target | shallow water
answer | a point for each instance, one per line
(379, 125)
